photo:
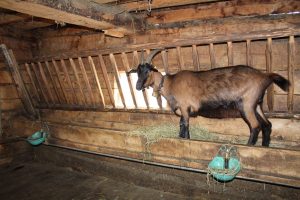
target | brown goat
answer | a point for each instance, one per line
(235, 88)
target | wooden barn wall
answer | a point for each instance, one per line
(11, 104)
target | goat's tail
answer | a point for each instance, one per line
(282, 82)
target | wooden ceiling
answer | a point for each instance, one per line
(124, 17)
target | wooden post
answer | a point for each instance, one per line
(180, 58)
(106, 79)
(117, 76)
(63, 64)
(53, 82)
(92, 65)
(164, 56)
(291, 69)
(230, 53)
(86, 79)
(196, 61)
(32, 82)
(60, 81)
(14, 69)
(248, 54)
(129, 78)
(46, 82)
(78, 80)
(136, 58)
(212, 55)
(270, 91)
(40, 86)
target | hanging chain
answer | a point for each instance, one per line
(149, 7)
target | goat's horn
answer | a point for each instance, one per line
(131, 71)
(151, 55)
(142, 56)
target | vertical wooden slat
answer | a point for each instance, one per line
(230, 53)
(136, 62)
(129, 78)
(196, 61)
(212, 55)
(86, 79)
(74, 96)
(92, 65)
(248, 54)
(106, 79)
(60, 81)
(270, 91)
(180, 58)
(164, 57)
(40, 86)
(32, 82)
(78, 80)
(52, 81)
(117, 76)
(291, 69)
(46, 82)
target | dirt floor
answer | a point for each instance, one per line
(56, 173)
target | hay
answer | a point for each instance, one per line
(155, 133)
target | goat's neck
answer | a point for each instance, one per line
(157, 83)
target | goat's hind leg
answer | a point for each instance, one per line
(248, 114)
(266, 126)
(184, 126)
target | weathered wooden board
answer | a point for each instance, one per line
(266, 164)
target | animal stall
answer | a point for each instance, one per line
(70, 105)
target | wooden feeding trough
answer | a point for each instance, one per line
(67, 71)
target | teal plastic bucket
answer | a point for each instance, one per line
(37, 138)
(216, 168)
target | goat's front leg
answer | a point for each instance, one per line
(184, 127)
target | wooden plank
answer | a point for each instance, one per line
(129, 78)
(222, 9)
(164, 56)
(92, 65)
(39, 84)
(52, 81)
(60, 81)
(106, 79)
(46, 82)
(196, 61)
(248, 53)
(32, 82)
(230, 53)
(84, 16)
(136, 62)
(180, 60)
(14, 68)
(8, 92)
(270, 90)
(86, 79)
(74, 96)
(212, 55)
(117, 76)
(77, 80)
(291, 73)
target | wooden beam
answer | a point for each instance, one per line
(92, 65)
(180, 60)
(196, 61)
(144, 5)
(129, 78)
(230, 53)
(77, 80)
(86, 79)
(32, 82)
(67, 76)
(164, 56)
(60, 81)
(39, 83)
(106, 79)
(117, 76)
(14, 68)
(223, 9)
(291, 73)
(248, 53)
(212, 56)
(270, 90)
(44, 78)
(52, 81)
(78, 12)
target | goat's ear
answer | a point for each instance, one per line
(131, 71)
